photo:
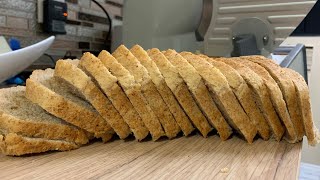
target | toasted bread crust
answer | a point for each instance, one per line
(16, 145)
(65, 109)
(69, 72)
(200, 92)
(245, 96)
(223, 96)
(273, 89)
(262, 96)
(169, 123)
(42, 130)
(165, 92)
(109, 84)
(39, 125)
(304, 105)
(133, 92)
(181, 91)
(175, 108)
(149, 90)
(288, 90)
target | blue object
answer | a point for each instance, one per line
(15, 80)
(14, 44)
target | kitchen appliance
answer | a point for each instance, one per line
(224, 28)
(213, 27)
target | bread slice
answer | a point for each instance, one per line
(288, 90)
(75, 77)
(109, 85)
(19, 115)
(13, 144)
(181, 91)
(261, 96)
(180, 116)
(274, 91)
(245, 96)
(153, 97)
(55, 97)
(200, 93)
(223, 96)
(304, 105)
(133, 92)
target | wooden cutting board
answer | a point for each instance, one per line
(182, 158)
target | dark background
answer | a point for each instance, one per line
(310, 26)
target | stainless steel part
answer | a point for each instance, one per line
(182, 24)
(262, 34)
(277, 18)
(295, 57)
(161, 23)
(206, 16)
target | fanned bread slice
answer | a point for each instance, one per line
(304, 104)
(19, 115)
(55, 97)
(245, 96)
(223, 96)
(261, 95)
(288, 90)
(75, 77)
(16, 145)
(109, 84)
(149, 90)
(274, 91)
(165, 92)
(200, 93)
(180, 90)
(133, 92)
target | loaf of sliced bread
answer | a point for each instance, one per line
(223, 96)
(133, 92)
(13, 144)
(20, 116)
(68, 71)
(149, 90)
(181, 91)
(245, 96)
(304, 105)
(54, 96)
(109, 85)
(180, 117)
(261, 96)
(200, 93)
(288, 90)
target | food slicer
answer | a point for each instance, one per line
(213, 27)
(224, 28)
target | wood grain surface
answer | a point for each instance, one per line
(183, 158)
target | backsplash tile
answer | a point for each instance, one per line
(2, 21)
(86, 23)
(92, 18)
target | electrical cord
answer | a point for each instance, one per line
(67, 54)
(109, 20)
(51, 58)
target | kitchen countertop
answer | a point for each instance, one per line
(193, 157)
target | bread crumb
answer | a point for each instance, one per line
(224, 170)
